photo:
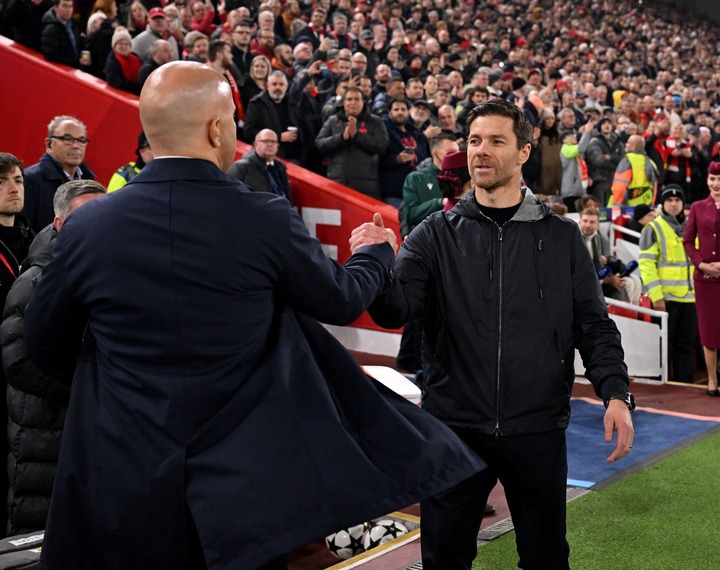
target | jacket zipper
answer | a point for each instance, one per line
(497, 432)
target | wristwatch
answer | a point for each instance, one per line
(625, 397)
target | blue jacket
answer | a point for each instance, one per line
(393, 173)
(205, 389)
(41, 181)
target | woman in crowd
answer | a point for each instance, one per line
(430, 86)
(702, 245)
(550, 165)
(100, 39)
(137, 19)
(122, 66)
(256, 80)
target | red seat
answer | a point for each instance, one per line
(622, 312)
(621, 220)
(647, 303)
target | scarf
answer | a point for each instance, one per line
(130, 65)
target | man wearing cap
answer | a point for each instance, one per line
(667, 273)
(126, 173)
(157, 29)
(421, 114)
(603, 154)
(636, 176)
(365, 47)
(641, 217)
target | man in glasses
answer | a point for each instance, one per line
(63, 160)
(260, 169)
(241, 47)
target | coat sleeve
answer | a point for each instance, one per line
(20, 372)
(328, 142)
(689, 237)
(327, 291)
(376, 139)
(54, 320)
(595, 334)
(408, 292)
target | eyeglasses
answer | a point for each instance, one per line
(268, 142)
(67, 139)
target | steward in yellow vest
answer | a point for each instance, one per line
(667, 273)
(636, 177)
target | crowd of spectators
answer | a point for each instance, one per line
(586, 73)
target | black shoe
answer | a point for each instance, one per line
(715, 393)
(489, 510)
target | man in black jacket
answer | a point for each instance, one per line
(36, 402)
(273, 109)
(63, 160)
(508, 292)
(15, 238)
(260, 169)
(61, 39)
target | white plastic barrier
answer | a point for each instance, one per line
(645, 344)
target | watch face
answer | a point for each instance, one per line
(630, 401)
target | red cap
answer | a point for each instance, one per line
(156, 13)
(713, 169)
(458, 159)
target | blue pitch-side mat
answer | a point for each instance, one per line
(587, 450)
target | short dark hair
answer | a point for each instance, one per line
(401, 100)
(215, 47)
(438, 140)
(500, 107)
(8, 162)
(66, 192)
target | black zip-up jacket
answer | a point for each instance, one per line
(504, 310)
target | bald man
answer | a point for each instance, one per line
(260, 168)
(636, 176)
(213, 423)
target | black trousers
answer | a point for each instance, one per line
(682, 329)
(533, 471)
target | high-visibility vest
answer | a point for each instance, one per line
(638, 189)
(665, 268)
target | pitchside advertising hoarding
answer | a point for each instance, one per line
(330, 212)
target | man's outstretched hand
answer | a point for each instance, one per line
(372, 233)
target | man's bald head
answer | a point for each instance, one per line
(186, 109)
(635, 143)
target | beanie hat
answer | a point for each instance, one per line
(672, 191)
(120, 34)
(641, 211)
(517, 83)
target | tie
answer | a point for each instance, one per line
(275, 180)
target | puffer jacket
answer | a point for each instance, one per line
(36, 404)
(504, 310)
(354, 162)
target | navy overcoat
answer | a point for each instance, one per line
(204, 388)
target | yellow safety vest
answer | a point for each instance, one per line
(665, 268)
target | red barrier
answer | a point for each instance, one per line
(34, 91)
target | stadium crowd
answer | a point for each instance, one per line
(591, 74)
